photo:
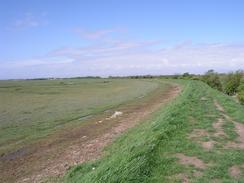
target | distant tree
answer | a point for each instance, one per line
(212, 79)
(186, 74)
(211, 71)
(232, 82)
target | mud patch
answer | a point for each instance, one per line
(14, 155)
(190, 160)
(85, 117)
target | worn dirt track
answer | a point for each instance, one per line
(54, 156)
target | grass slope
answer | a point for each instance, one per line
(147, 153)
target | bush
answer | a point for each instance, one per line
(196, 78)
(241, 86)
(241, 97)
(232, 82)
(241, 92)
(213, 80)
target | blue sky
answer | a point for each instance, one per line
(43, 38)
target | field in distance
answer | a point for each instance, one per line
(33, 109)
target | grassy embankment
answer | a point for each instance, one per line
(31, 110)
(169, 147)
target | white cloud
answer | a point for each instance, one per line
(103, 49)
(189, 56)
(129, 58)
(29, 20)
(97, 34)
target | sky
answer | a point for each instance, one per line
(69, 38)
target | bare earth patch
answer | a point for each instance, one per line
(197, 134)
(235, 171)
(218, 106)
(239, 128)
(189, 160)
(216, 181)
(219, 128)
(203, 99)
(180, 177)
(55, 156)
(240, 131)
(197, 174)
(183, 178)
(208, 145)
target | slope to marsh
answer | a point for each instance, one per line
(197, 138)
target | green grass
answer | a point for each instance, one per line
(147, 152)
(30, 110)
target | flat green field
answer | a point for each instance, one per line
(30, 110)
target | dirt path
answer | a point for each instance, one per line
(55, 156)
(239, 129)
(234, 171)
(197, 134)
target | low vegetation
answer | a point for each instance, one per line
(232, 82)
(241, 91)
(213, 80)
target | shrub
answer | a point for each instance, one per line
(241, 92)
(232, 82)
(196, 78)
(212, 79)
(241, 97)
